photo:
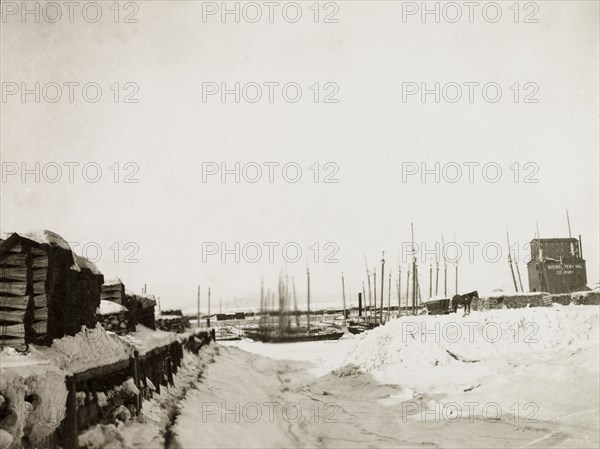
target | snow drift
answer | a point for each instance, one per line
(425, 352)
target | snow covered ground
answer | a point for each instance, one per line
(502, 378)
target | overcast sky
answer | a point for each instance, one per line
(170, 215)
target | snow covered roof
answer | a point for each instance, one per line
(46, 237)
(435, 298)
(145, 299)
(113, 281)
(109, 307)
(82, 262)
(41, 236)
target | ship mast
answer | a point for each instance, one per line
(344, 298)
(445, 268)
(308, 301)
(369, 284)
(382, 284)
(295, 304)
(510, 262)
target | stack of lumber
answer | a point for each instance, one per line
(589, 298)
(141, 308)
(487, 303)
(113, 290)
(115, 318)
(39, 264)
(512, 301)
(173, 322)
(46, 290)
(23, 305)
(562, 298)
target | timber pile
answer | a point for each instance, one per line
(113, 290)
(115, 318)
(562, 298)
(591, 298)
(174, 321)
(142, 307)
(46, 291)
(23, 303)
(512, 301)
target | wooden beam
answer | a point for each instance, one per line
(37, 251)
(38, 314)
(13, 260)
(13, 273)
(40, 327)
(13, 288)
(10, 244)
(40, 262)
(15, 330)
(12, 316)
(14, 302)
(16, 343)
(40, 274)
(39, 287)
(40, 301)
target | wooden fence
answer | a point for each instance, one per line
(86, 400)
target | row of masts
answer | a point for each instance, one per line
(369, 296)
(267, 302)
(413, 287)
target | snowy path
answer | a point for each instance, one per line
(377, 391)
(408, 394)
(347, 411)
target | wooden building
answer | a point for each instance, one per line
(556, 266)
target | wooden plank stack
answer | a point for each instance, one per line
(562, 298)
(512, 301)
(145, 309)
(39, 267)
(172, 321)
(113, 291)
(116, 322)
(46, 291)
(586, 298)
(23, 305)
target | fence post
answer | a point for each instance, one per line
(71, 427)
(136, 379)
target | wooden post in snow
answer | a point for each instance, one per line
(198, 310)
(70, 422)
(208, 314)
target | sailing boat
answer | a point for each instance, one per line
(370, 320)
(282, 330)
